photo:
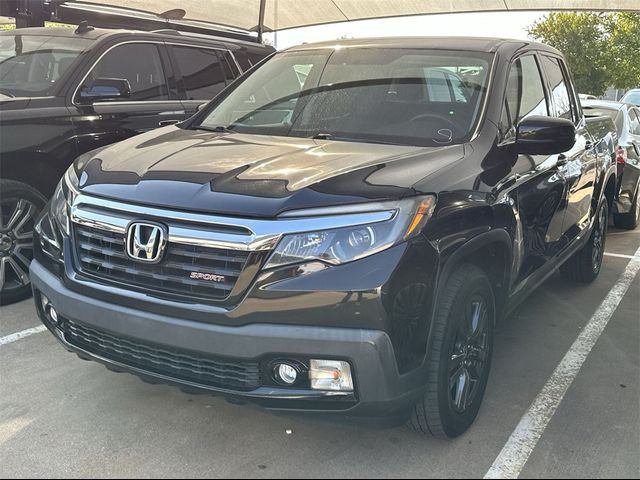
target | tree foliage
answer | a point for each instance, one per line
(624, 49)
(601, 49)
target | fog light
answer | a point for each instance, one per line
(53, 314)
(286, 374)
(48, 309)
(331, 375)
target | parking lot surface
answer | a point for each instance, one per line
(62, 417)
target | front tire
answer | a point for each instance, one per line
(584, 266)
(20, 204)
(460, 354)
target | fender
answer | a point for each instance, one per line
(493, 236)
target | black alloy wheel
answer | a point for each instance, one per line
(19, 208)
(468, 355)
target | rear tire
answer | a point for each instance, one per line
(459, 355)
(629, 221)
(20, 204)
(584, 266)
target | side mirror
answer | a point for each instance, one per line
(105, 89)
(537, 135)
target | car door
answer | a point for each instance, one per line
(541, 191)
(578, 166)
(201, 73)
(151, 103)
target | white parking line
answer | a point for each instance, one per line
(14, 337)
(525, 437)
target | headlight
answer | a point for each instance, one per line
(341, 245)
(63, 197)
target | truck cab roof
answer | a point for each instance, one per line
(477, 44)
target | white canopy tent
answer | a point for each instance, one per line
(271, 15)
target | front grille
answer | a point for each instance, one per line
(101, 253)
(176, 364)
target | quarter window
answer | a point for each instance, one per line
(202, 72)
(139, 64)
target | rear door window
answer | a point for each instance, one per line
(560, 90)
(202, 72)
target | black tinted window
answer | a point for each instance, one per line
(525, 93)
(202, 72)
(559, 87)
(139, 64)
(30, 65)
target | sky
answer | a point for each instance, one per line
(506, 25)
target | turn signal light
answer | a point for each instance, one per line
(330, 375)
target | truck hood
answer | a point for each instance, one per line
(254, 175)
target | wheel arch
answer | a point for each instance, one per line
(34, 169)
(491, 251)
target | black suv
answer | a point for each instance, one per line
(65, 92)
(338, 232)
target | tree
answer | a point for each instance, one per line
(582, 38)
(623, 30)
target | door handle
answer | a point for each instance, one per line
(164, 123)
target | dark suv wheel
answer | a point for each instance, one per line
(459, 355)
(20, 204)
(584, 266)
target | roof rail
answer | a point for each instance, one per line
(167, 31)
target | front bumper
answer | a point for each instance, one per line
(380, 391)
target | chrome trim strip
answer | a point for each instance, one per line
(191, 228)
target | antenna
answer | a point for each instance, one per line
(83, 27)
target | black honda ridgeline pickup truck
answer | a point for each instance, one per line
(338, 232)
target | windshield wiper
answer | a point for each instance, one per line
(328, 136)
(218, 128)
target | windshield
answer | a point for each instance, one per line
(31, 65)
(632, 97)
(400, 96)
